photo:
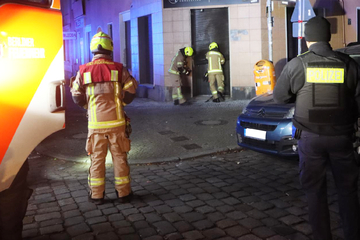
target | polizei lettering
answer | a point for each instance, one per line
(325, 75)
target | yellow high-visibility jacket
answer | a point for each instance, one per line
(176, 63)
(102, 83)
(215, 60)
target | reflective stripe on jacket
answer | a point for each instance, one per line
(103, 82)
(177, 62)
(215, 60)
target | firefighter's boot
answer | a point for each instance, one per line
(96, 201)
(217, 100)
(125, 199)
(221, 95)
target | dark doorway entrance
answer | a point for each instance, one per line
(128, 44)
(209, 25)
(145, 50)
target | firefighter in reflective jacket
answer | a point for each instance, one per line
(104, 87)
(325, 87)
(215, 72)
(177, 67)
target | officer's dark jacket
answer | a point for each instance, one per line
(323, 108)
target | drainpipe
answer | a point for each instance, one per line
(270, 25)
(343, 20)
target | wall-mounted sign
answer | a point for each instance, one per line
(198, 3)
(69, 35)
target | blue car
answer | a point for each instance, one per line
(266, 126)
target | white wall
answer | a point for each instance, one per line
(142, 8)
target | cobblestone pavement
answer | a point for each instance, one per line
(181, 131)
(234, 195)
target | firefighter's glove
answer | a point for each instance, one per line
(187, 71)
(184, 70)
(205, 77)
(128, 129)
(72, 79)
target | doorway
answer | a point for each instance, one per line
(207, 26)
(127, 45)
(88, 54)
(145, 50)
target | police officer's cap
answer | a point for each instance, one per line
(317, 29)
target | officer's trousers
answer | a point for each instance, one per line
(316, 153)
(216, 82)
(13, 205)
(97, 145)
(175, 81)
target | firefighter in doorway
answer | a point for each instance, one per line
(178, 67)
(215, 73)
(104, 87)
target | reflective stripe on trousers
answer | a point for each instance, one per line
(119, 145)
(216, 79)
(176, 88)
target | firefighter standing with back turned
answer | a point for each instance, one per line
(104, 87)
(325, 88)
(178, 67)
(215, 72)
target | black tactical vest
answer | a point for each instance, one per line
(325, 98)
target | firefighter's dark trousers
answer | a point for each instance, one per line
(13, 205)
(316, 153)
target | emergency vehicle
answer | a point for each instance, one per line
(32, 93)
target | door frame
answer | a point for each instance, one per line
(123, 17)
(226, 70)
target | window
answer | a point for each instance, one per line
(128, 44)
(110, 31)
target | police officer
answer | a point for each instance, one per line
(325, 87)
(178, 67)
(104, 87)
(215, 72)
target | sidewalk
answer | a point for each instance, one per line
(161, 131)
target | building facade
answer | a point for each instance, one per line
(148, 33)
